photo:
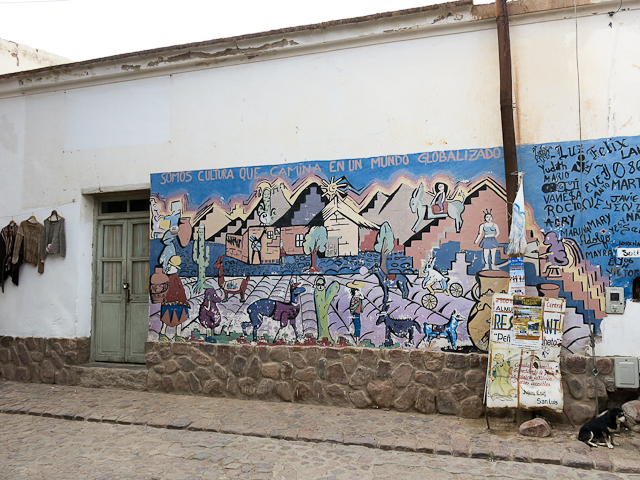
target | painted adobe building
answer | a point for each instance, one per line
(408, 99)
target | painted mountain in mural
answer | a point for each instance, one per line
(275, 205)
(418, 224)
(391, 208)
(308, 203)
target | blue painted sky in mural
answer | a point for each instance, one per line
(201, 185)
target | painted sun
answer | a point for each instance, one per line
(331, 188)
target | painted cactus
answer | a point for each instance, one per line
(323, 297)
(201, 257)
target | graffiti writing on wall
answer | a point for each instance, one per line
(394, 251)
(587, 204)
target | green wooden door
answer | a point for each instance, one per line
(122, 290)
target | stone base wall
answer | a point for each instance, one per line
(405, 380)
(42, 360)
(580, 387)
(426, 382)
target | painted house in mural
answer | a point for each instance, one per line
(302, 191)
(266, 245)
(344, 226)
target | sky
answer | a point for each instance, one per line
(87, 29)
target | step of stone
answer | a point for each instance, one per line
(123, 376)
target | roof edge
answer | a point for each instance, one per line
(251, 36)
(416, 23)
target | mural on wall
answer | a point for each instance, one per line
(395, 251)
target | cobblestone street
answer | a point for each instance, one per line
(49, 448)
(56, 432)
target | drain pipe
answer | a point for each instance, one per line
(506, 106)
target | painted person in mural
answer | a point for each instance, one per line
(488, 232)
(168, 252)
(156, 217)
(438, 202)
(174, 310)
(256, 248)
(355, 306)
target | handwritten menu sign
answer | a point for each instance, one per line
(524, 353)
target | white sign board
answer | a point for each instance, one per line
(524, 353)
(628, 252)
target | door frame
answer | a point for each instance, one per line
(97, 217)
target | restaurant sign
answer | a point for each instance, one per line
(524, 353)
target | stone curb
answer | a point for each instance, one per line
(403, 444)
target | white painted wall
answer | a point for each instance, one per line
(620, 333)
(546, 77)
(15, 57)
(349, 99)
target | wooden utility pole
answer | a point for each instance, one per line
(506, 106)
(508, 128)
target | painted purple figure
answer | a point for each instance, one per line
(556, 256)
(285, 313)
(209, 316)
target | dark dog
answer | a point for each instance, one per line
(400, 327)
(602, 428)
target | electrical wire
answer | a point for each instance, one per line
(611, 14)
(581, 159)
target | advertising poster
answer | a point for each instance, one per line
(527, 322)
(516, 276)
(524, 353)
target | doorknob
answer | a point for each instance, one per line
(125, 286)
